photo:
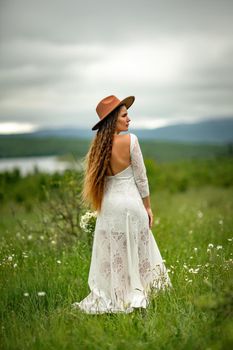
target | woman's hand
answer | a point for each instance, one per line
(150, 216)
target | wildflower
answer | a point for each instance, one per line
(157, 221)
(220, 222)
(53, 242)
(191, 257)
(195, 249)
(229, 239)
(29, 237)
(210, 245)
(41, 294)
(208, 250)
(10, 258)
(15, 265)
(199, 214)
(42, 238)
(26, 294)
(59, 261)
(189, 281)
(219, 247)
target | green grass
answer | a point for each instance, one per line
(195, 314)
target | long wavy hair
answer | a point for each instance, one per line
(97, 160)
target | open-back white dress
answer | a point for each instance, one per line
(126, 262)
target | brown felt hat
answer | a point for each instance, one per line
(108, 104)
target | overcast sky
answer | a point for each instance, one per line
(59, 58)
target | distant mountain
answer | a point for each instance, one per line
(209, 131)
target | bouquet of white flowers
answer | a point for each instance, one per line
(87, 223)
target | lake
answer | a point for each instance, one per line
(48, 164)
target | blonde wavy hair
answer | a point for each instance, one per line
(96, 162)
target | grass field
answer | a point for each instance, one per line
(40, 278)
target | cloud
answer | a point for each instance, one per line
(59, 58)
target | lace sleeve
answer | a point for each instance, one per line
(139, 170)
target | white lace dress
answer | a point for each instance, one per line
(126, 262)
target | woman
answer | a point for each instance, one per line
(126, 263)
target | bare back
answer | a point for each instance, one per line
(120, 157)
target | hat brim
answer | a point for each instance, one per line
(128, 101)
